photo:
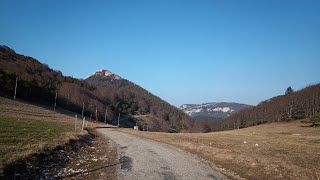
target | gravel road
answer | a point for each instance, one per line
(146, 159)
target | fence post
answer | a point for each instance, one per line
(75, 123)
(82, 109)
(96, 125)
(83, 122)
(55, 101)
(105, 117)
(15, 89)
(90, 121)
(119, 121)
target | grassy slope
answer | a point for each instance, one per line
(271, 151)
(19, 137)
(27, 129)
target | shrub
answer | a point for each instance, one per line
(315, 120)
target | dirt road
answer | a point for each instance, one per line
(146, 159)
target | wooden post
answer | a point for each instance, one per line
(75, 123)
(84, 119)
(119, 121)
(82, 109)
(105, 117)
(95, 128)
(90, 120)
(15, 89)
(55, 101)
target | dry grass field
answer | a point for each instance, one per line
(269, 151)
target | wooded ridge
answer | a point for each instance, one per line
(39, 83)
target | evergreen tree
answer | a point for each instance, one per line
(289, 90)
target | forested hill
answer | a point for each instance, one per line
(39, 83)
(128, 97)
(301, 104)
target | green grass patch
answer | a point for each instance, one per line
(20, 137)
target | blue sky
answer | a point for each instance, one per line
(183, 51)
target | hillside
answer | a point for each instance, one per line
(38, 143)
(212, 111)
(27, 129)
(39, 84)
(304, 103)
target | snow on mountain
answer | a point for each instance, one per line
(106, 74)
(212, 111)
(183, 106)
(192, 111)
(223, 109)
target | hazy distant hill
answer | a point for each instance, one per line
(103, 91)
(212, 111)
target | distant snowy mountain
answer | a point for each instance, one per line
(212, 111)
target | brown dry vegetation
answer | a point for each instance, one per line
(270, 151)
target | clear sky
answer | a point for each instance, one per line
(183, 51)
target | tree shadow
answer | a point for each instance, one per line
(310, 125)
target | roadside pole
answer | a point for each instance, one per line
(96, 124)
(15, 89)
(90, 121)
(84, 119)
(82, 109)
(55, 101)
(75, 123)
(105, 117)
(119, 121)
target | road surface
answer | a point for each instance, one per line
(146, 159)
